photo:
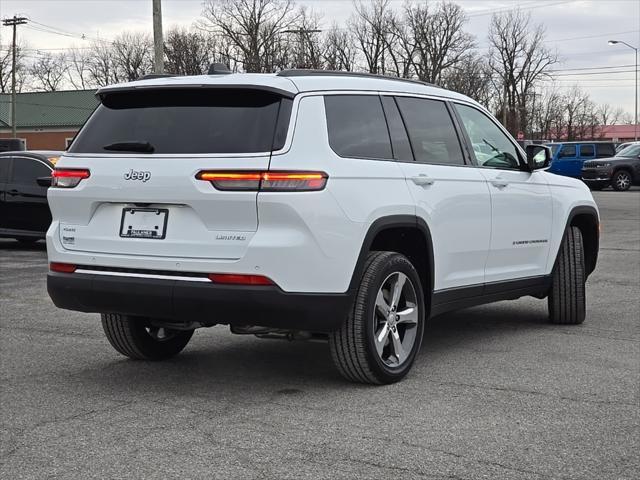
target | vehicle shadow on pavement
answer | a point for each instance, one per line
(10, 244)
(214, 365)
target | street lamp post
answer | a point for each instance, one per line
(615, 42)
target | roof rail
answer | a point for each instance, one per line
(218, 69)
(149, 76)
(300, 72)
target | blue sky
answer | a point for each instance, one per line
(578, 29)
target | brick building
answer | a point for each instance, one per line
(47, 120)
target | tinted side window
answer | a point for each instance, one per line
(567, 151)
(26, 171)
(491, 146)
(357, 127)
(605, 150)
(431, 131)
(399, 138)
(4, 169)
(587, 150)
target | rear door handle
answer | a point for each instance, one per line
(13, 192)
(422, 179)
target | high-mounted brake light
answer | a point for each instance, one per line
(236, 279)
(265, 181)
(68, 177)
(62, 267)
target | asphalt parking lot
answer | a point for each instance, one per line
(497, 392)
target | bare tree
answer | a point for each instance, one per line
(78, 68)
(626, 119)
(401, 48)
(439, 41)
(519, 61)
(189, 53)
(253, 27)
(339, 49)
(302, 45)
(470, 76)
(49, 71)
(372, 25)
(101, 67)
(133, 55)
(6, 65)
(608, 115)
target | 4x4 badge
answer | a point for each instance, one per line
(134, 175)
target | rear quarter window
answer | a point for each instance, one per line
(357, 127)
(605, 150)
(188, 121)
(587, 150)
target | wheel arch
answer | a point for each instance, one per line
(587, 220)
(627, 168)
(405, 234)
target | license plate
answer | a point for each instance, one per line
(144, 223)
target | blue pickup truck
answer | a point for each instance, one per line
(568, 157)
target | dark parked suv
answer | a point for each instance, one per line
(24, 179)
(620, 171)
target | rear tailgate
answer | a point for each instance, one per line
(142, 196)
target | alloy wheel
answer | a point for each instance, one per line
(395, 319)
(623, 181)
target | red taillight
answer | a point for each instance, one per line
(68, 177)
(266, 181)
(232, 180)
(62, 267)
(236, 279)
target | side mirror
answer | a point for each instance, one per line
(538, 156)
(44, 181)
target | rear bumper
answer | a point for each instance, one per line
(209, 303)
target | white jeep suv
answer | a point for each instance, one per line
(350, 206)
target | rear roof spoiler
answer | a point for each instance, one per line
(232, 86)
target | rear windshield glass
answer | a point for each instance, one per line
(186, 121)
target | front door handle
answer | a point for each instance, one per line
(13, 192)
(499, 183)
(422, 180)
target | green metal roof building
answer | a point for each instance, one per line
(47, 120)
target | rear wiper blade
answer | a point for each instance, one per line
(130, 146)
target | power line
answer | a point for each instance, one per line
(44, 28)
(533, 7)
(591, 68)
(591, 73)
(591, 36)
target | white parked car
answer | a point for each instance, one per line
(353, 206)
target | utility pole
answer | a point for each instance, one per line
(302, 32)
(158, 39)
(13, 22)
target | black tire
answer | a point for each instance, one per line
(134, 338)
(567, 297)
(621, 181)
(352, 346)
